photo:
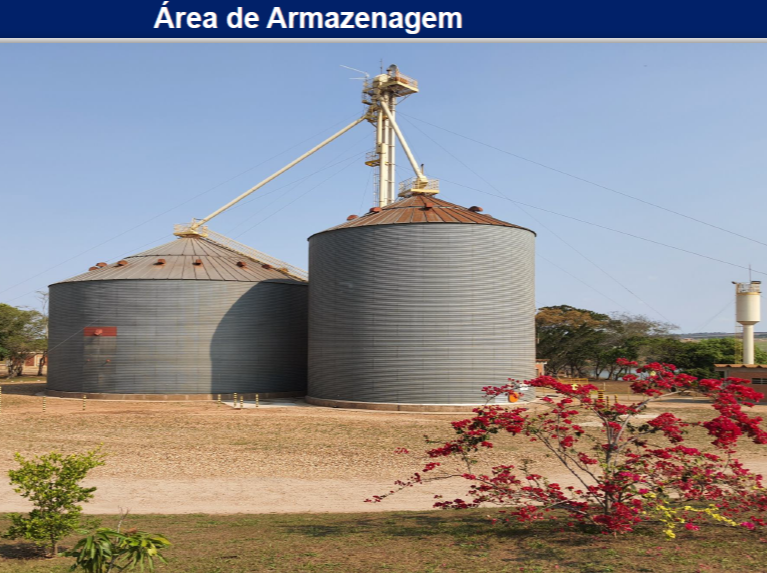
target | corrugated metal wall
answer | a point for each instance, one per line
(421, 314)
(178, 337)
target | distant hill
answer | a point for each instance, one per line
(704, 335)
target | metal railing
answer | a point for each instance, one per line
(416, 184)
(403, 79)
(749, 287)
(256, 255)
(372, 158)
(186, 229)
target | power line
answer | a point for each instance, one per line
(132, 251)
(547, 228)
(725, 307)
(580, 281)
(300, 179)
(327, 166)
(607, 228)
(584, 180)
(134, 227)
(294, 184)
(300, 196)
(365, 191)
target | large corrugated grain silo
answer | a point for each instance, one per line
(421, 302)
(189, 318)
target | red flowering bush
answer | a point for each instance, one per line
(629, 471)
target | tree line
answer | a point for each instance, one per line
(23, 332)
(583, 343)
(575, 341)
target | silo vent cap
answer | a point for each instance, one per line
(351, 217)
(160, 262)
(101, 265)
(428, 205)
(122, 263)
(93, 269)
(375, 209)
(266, 266)
(242, 264)
(475, 209)
(197, 262)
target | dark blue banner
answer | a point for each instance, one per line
(239, 19)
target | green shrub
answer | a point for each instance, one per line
(52, 483)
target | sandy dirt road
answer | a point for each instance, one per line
(176, 458)
(245, 495)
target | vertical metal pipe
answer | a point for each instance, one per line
(383, 159)
(392, 192)
(379, 131)
(748, 344)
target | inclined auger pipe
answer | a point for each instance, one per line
(201, 222)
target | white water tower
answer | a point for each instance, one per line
(748, 313)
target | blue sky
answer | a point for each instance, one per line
(104, 147)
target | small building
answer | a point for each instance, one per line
(756, 373)
(31, 365)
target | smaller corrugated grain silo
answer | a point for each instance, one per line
(189, 319)
(419, 305)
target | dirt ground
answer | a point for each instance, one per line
(199, 457)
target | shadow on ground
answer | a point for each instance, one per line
(21, 387)
(21, 551)
(408, 524)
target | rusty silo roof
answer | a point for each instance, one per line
(423, 209)
(187, 258)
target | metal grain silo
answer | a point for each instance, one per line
(189, 318)
(421, 302)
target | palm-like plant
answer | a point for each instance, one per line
(110, 550)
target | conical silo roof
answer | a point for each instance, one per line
(423, 209)
(187, 258)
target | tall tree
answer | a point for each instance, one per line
(626, 336)
(567, 337)
(43, 297)
(22, 332)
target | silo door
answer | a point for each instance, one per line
(99, 353)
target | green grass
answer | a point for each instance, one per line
(417, 542)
